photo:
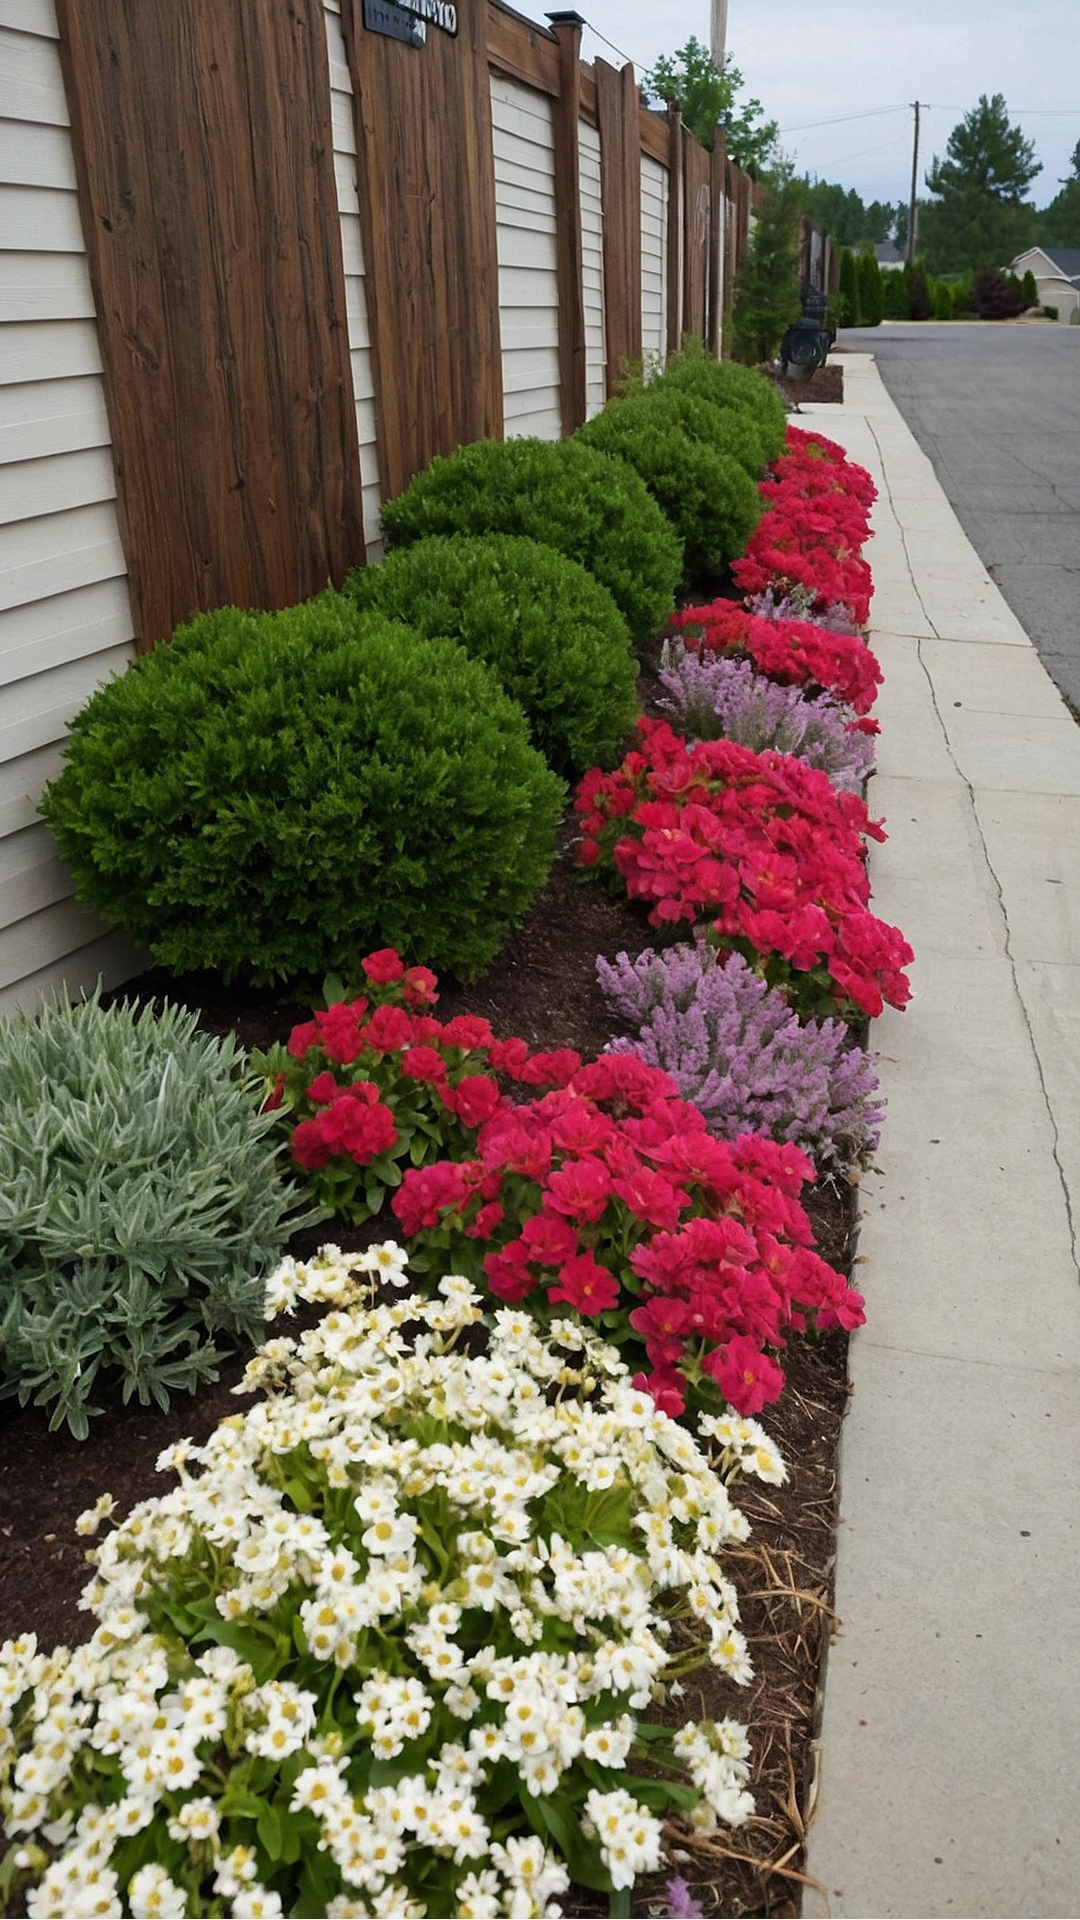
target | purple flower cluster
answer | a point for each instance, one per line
(711, 697)
(739, 1052)
(798, 604)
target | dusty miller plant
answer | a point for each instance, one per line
(138, 1195)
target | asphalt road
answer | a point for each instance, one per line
(997, 409)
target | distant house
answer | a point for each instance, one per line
(1057, 276)
(887, 255)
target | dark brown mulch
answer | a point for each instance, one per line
(825, 384)
(542, 987)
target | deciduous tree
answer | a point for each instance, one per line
(707, 97)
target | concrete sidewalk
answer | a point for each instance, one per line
(950, 1763)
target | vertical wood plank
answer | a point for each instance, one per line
(676, 198)
(203, 150)
(567, 115)
(617, 113)
(427, 205)
(717, 223)
(695, 235)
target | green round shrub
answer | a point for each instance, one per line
(275, 793)
(710, 499)
(593, 509)
(723, 383)
(140, 1202)
(551, 632)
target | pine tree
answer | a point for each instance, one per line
(767, 293)
(980, 217)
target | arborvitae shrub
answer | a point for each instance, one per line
(723, 383)
(871, 291)
(550, 631)
(592, 508)
(1029, 287)
(849, 287)
(708, 496)
(275, 793)
(140, 1202)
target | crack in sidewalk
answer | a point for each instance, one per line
(1074, 1241)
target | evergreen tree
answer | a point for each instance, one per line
(707, 97)
(871, 292)
(980, 217)
(767, 292)
(849, 289)
(1059, 223)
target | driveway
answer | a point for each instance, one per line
(997, 410)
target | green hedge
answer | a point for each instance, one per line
(723, 383)
(673, 440)
(552, 633)
(272, 795)
(592, 508)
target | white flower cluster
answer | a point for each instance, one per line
(468, 1564)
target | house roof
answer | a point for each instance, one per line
(887, 255)
(1064, 260)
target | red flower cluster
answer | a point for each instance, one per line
(794, 652)
(815, 524)
(610, 1196)
(415, 1087)
(761, 844)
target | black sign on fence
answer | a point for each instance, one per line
(398, 23)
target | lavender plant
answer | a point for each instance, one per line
(798, 604)
(712, 697)
(739, 1052)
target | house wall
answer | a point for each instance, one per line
(352, 249)
(65, 614)
(592, 263)
(524, 148)
(654, 247)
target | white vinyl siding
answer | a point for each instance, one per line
(592, 268)
(524, 151)
(654, 236)
(65, 614)
(345, 164)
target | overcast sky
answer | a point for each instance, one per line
(818, 60)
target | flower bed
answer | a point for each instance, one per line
(360, 1735)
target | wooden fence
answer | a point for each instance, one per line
(259, 264)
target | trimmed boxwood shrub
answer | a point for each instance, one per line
(710, 499)
(592, 508)
(550, 631)
(723, 383)
(274, 794)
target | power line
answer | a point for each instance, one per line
(868, 114)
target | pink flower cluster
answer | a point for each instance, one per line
(793, 652)
(816, 522)
(762, 845)
(379, 1078)
(610, 1196)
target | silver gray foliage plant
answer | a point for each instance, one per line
(710, 697)
(739, 1053)
(140, 1201)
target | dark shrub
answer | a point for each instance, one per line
(550, 631)
(993, 297)
(569, 496)
(723, 383)
(273, 794)
(710, 499)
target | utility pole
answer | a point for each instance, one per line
(913, 207)
(719, 33)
